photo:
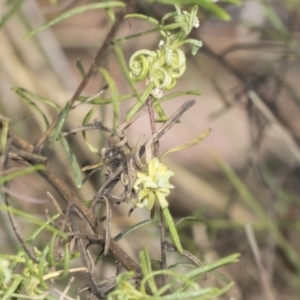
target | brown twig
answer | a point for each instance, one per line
(93, 67)
(71, 198)
(26, 247)
(147, 147)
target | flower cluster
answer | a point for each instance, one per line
(154, 184)
(162, 67)
(165, 65)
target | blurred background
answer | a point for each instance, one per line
(248, 72)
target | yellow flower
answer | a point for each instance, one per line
(153, 184)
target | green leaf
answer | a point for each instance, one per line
(73, 161)
(172, 229)
(80, 68)
(216, 10)
(41, 268)
(125, 70)
(145, 264)
(177, 94)
(114, 94)
(199, 294)
(39, 230)
(25, 93)
(126, 232)
(84, 122)
(187, 219)
(67, 259)
(15, 7)
(237, 2)
(207, 4)
(233, 258)
(34, 220)
(111, 14)
(142, 100)
(101, 101)
(193, 142)
(196, 2)
(33, 105)
(246, 195)
(254, 204)
(143, 17)
(73, 12)
(136, 35)
(274, 19)
(31, 169)
(52, 251)
(31, 238)
(62, 118)
(3, 136)
(9, 293)
(133, 228)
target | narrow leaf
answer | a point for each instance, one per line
(62, 117)
(216, 10)
(31, 238)
(73, 12)
(14, 175)
(28, 101)
(246, 195)
(207, 4)
(84, 122)
(177, 94)
(80, 68)
(15, 7)
(172, 229)
(146, 269)
(91, 98)
(193, 142)
(274, 19)
(9, 293)
(141, 101)
(101, 101)
(3, 136)
(114, 94)
(73, 161)
(125, 70)
(41, 268)
(143, 17)
(126, 232)
(52, 251)
(233, 258)
(67, 259)
(34, 220)
(236, 2)
(22, 91)
(254, 204)
(133, 228)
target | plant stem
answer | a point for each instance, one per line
(93, 67)
(162, 226)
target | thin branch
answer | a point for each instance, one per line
(162, 225)
(93, 67)
(71, 198)
(25, 246)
